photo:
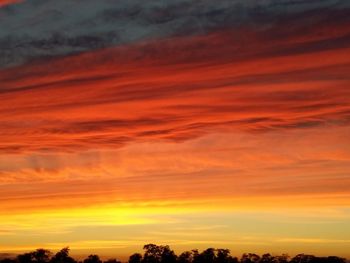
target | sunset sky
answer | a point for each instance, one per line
(192, 123)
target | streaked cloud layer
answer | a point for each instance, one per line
(115, 96)
(37, 28)
(145, 116)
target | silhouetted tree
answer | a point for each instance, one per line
(267, 258)
(62, 256)
(135, 258)
(158, 254)
(41, 255)
(112, 260)
(223, 256)
(250, 258)
(168, 255)
(185, 257)
(282, 259)
(302, 258)
(25, 258)
(313, 259)
(335, 259)
(163, 254)
(208, 256)
(38, 256)
(196, 256)
(93, 259)
(152, 254)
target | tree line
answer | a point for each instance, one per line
(163, 254)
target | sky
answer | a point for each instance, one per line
(190, 123)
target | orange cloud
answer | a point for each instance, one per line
(298, 167)
(172, 90)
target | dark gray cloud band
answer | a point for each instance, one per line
(38, 29)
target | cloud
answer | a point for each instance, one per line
(36, 29)
(175, 89)
(298, 167)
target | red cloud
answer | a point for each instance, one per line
(177, 89)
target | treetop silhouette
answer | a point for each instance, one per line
(164, 254)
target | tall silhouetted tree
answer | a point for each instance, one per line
(62, 256)
(41, 255)
(208, 256)
(135, 258)
(158, 254)
(93, 259)
(167, 255)
(152, 254)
